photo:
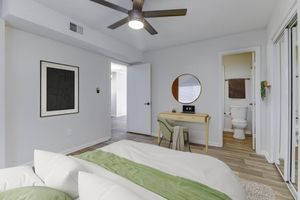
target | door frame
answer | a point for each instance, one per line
(2, 96)
(257, 51)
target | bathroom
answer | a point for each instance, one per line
(238, 93)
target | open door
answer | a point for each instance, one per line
(139, 99)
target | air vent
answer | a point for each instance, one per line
(76, 28)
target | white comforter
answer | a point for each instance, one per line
(201, 168)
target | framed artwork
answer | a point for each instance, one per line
(59, 89)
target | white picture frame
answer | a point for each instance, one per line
(59, 89)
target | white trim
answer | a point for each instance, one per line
(2, 95)
(75, 69)
(288, 17)
(228, 130)
(247, 132)
(257, 51)
(267, 156)
(74, 149)
(202, 142)
(292, 190)
(111, 60)
(94, 142)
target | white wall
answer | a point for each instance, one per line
(201, 59)
(31, 16)
(237, 66)
(2, 93)
(121, 93)
(280, 13)
(113, 94)
(26, 131)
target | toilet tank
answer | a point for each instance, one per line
(238, 112)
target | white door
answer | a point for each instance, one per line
(295, 105)
(253, 100)
(285, 107)
(139, 99)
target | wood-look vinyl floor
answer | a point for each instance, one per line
(235, 153)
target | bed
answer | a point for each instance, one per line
(200, 168)
(78, 178)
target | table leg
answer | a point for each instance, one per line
(206, 134)
(158, 135)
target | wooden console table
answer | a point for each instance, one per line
(185, 117)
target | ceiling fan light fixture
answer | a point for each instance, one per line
(136, 24)
(137, 17)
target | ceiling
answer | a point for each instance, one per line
(205, 19)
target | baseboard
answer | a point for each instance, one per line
(267, 156)
(247, 132)
(71, 150)
(228, 130)
(74, 149)
(202, 142)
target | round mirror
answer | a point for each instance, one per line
(186, 88)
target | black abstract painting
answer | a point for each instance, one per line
(59, 89)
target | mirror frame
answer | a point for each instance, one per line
(196, 79)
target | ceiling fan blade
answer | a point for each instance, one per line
(165, 13)
(138, 4)
(119, 23)
(149, 28)
(111, 5)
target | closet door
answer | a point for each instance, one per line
(287, 138)
(295, 107)
(284, 133)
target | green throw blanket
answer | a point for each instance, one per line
(166, 185)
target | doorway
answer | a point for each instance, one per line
(238, 99)
(119, 97)
(240, 89)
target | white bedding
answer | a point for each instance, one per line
(92, 187)
(201, 168)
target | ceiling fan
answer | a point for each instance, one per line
(136, 18)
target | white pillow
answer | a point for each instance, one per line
(58, 171)
(92, 187)
(16, 177)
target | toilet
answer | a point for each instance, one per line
(239, 121)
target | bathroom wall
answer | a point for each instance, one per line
(237, 66)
